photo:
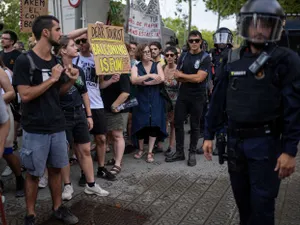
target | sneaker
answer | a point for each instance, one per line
(29, 220)
(63, 213)
(43, 181)
(96, 190)
(82, 180)
(67, 193)
(20, 193)
(7, 171)
(105, 174)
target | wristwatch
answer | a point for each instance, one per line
(89, 116)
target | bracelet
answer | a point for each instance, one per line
(89, 116)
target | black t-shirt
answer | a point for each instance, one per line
(9, 58)
(73, 97)
(112, 92)
(190, 64)
(42, 115)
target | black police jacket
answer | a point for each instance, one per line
(249, 98)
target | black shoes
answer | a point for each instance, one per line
(105, 174)
(175, 157)
(192, 159)
(29, 220)
(63, 213)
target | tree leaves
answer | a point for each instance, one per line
(230, 7)
(10, 14)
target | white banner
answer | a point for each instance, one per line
(144, 20)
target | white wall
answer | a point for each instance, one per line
(64, 12)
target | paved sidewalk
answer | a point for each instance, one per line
(158, 194)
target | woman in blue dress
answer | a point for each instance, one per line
(148, 118)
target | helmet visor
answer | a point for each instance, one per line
(260, 28)
(222, 38)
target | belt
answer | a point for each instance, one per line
(72, 109)
(252, 132)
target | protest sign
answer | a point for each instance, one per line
(110, 53)
(144, 20)
(29, 10)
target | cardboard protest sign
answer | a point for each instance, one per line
(29, 10)
(110, 53)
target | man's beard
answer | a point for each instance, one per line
(258, 45)
(52, 42)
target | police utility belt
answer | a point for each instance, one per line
(253, 130)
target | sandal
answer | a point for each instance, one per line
(111, 162)
(139, 154)
(115, 170)
(150, 158)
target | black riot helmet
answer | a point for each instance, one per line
(223, 36)
(261, 21)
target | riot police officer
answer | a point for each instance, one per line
(259, 88)
(223, 41)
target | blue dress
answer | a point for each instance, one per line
(151, 109)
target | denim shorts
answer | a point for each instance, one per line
(41, 150)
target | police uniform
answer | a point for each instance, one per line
(263, 121)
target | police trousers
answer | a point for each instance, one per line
(255, 184)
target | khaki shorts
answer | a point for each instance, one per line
(116, 121)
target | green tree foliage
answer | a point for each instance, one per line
(10, 15)
(116, 13)
(179, 26)
(230, 7)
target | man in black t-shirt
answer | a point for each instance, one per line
(192, 70)
(44, 138)
(9, 56)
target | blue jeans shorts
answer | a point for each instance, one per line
(41, 150)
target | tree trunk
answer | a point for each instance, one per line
(190, 16)
(219, 14)
(219, 19)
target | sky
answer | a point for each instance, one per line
(200, 18)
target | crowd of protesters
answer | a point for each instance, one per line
(66, 110)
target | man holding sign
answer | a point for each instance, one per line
(86, 62)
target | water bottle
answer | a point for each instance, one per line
(131, 103)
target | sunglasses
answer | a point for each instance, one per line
(83, 41)
(146, 52)
(191, 41)
(169, 55)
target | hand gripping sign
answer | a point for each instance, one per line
(110, 53)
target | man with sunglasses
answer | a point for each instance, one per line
(259, 88)
(86, 62)
(192, 70)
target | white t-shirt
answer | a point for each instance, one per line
(87, 64)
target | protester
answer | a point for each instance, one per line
(43, 122)
(78, 124)
(148, 118)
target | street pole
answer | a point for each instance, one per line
(78, 16)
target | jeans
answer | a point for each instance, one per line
(185, 106)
